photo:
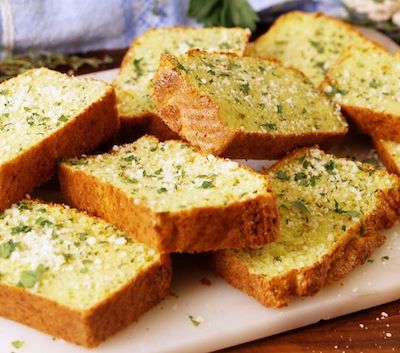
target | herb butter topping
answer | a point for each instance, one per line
(317, 43)
(66, 256)
(171, 176)
(134, 83)
(319, 198)
(260, 95)
(368, 79)
(38, 103)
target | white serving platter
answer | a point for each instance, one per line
(229, 317)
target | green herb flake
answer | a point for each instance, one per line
(137, 64)
(7, 248)
(17, 344)
(22, 228)
(370, 261)
(330, 167)
(300, 176)
(385, 258)
(207, 184)
(281, 175)
(318, 46)
(162, 190)
(63, 118)
(245, 88)
(374, 84)
(194, 321)
(29, 278)
(300, 205)
(268, 126)
(43, 222)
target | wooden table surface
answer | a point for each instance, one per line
(372, 330)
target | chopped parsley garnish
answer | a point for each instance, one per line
(245, 88)
(300, 205)
(318, 46)
(138, 67)
(129, 158)
(300, 176)
(339, 210)
(43, 222)
(232, 65)
(330, 167)
(22, 228)
(279, 109)
(385, 258)
(194, 321)
(7, 248)
(374, 84)
(18, 344)
(268, 126)
(29, 278)
(162, 190)
(63, 118)
(207, 184)
(281, 175)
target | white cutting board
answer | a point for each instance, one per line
(228, 316)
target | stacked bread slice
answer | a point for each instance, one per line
(134, 86)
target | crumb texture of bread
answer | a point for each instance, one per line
(172, 197)
(243, 107)
(389, 153)
(133, 85)
(330, 211)
(74, 276)
(366, 84)
(316, 45)
(45, 115)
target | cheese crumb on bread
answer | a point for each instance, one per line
(325, 204)
(171, 178)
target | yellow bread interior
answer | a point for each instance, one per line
(308, 42)
(368, 79)
(320, 198)
(39, 102)
(134, 86)
(171, 176)
(66, 256)
(257, 95)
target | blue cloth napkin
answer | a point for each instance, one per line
(72, 26)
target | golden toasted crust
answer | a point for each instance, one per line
(92, 326)
(385, 157)
(98, 123)
(194, 116)
(353, 250)
(249, 223)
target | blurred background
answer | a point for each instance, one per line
(38, 33)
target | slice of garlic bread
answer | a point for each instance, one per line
(45, 115)
(73, 276)
(133, 85)
(330, 211)
(366, 84)
(310, 42)
(243, 107)
(168, 195)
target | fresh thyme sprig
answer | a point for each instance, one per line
(16, 64)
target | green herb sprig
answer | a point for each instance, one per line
(226, 13)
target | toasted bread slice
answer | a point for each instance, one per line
(45, 115)
(310, 42)
(366, 84)
(173, 198)
(330, 211)
(243, 107)
(389, 153)
(74, 276)
(133, 85)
